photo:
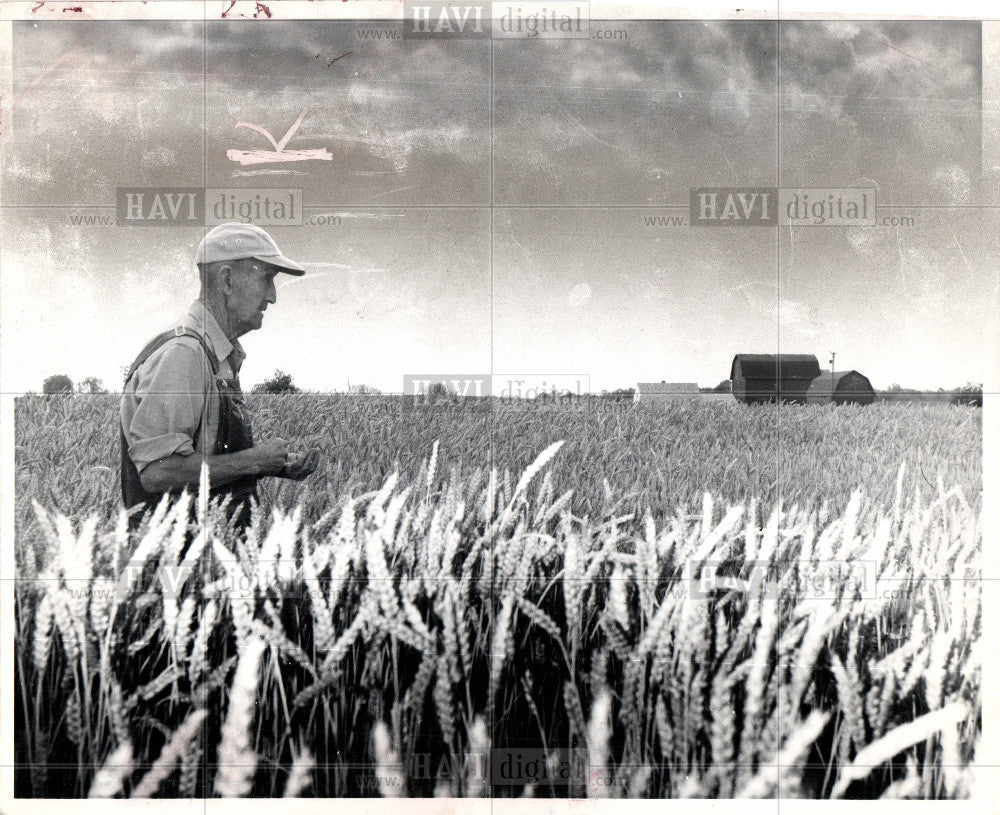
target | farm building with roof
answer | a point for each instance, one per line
(665, 391)
(847, 387)
(773, 377)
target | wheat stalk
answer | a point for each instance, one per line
(42, 640)
(478, 759)
(755, 684)
(237, 761)
(167, 760)
(769, 776)
(323, 632)
(388, 765)
(723, 731)
(108, 780)
(543, 458)
(851, 706)
(598, 738)
(901, 738)
(443, 701)
(300, 776)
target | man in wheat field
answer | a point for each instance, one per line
(182, 401)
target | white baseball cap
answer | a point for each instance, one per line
(235, 241)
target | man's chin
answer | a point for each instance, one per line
(252, 324)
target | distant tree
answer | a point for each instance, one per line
(725, 386)
(91, 384)
(364, 390)
(438, 390)
(57, 383)
(278, 382)
(971, 394)
(622, 395)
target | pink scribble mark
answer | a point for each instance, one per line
(260, 8)
(40, 4)
(73, 8)
(279, 153)
(894, 48)
(37, 80)
(341, 56)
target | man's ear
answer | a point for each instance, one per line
(226, 282)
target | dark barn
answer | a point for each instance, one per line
(773, 377)
(847, 388)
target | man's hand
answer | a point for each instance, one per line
(302, 466)
(271, 456)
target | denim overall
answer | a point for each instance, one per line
(234, 434)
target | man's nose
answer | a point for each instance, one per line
(272, 293)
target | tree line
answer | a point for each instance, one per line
(281, 382)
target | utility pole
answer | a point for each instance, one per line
(833, 356)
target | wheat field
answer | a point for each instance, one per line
(703, 600)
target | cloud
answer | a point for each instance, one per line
(896, 101)
(799, 318)
(578, 295)
(953, 182)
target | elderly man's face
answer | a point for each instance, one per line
(253, 288)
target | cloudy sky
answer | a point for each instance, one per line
(501, 222)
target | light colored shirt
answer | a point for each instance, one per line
(171, 404)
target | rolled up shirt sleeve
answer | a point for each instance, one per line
(171, 392)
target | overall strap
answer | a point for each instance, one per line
(165, 337)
